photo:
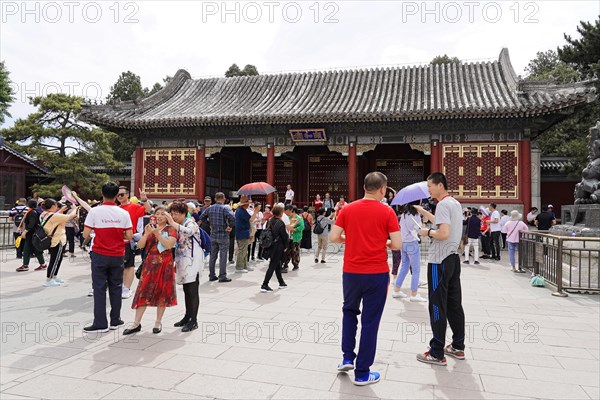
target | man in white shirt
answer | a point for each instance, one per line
(531, 215)
(495, 229)
(285, 219)
(289, 195)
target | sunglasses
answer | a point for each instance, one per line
(122, 194)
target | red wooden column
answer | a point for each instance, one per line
(436, 157)
(271, 171)
(139, 170)
(352, 172)
(525, 168)
(200, 173)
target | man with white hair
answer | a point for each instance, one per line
(284, 218)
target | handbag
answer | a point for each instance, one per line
(138, 271)
(538, 281)
(18, 242)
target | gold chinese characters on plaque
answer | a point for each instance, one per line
(308, 135)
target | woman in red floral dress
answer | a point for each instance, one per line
(157, 281)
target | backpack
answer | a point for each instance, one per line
(20, 216)
(319, 228)
(41, 240)
(266, 237)
(306, 223)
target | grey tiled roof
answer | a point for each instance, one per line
(555, 163)
(458, 90)
(23, 157)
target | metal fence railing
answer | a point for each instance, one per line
(568, 263)
(6, 233)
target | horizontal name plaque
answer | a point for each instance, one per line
(308, 135)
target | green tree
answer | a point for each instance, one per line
(127, 87)
(55, 137)
(445, 59)
(6, 93)
(584, 53)
(157, 86)
(234, 70)
(250, 70)
(569, 137)
(547, 65)
(122, 145)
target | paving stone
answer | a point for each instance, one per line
(441, 392)
(59, 387)
(115, 355)
(578, 364)
(10, 374)
(593, 392)
(294, 393)
(583, 378)
(266, 357)
(226, 388)
(136, 392)
(301, 362)
(531, 388)
(205, 366)
(290, 376)
(31, 363)
(79, 368)
(140, 376)
(435, 376)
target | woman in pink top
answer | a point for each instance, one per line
(513, 228)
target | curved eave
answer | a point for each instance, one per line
(332, 118)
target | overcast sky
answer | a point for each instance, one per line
(81, 47)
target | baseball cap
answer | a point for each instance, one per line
(207, 198)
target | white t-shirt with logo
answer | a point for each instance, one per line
(495, 227)
(289, 194)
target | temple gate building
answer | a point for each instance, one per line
(324, 131)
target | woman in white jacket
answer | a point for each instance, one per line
(189, 259)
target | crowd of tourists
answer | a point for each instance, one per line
(174, 240)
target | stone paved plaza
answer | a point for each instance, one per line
(522, 342)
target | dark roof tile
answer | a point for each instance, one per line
(456, 90)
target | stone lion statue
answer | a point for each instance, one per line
(588, 190)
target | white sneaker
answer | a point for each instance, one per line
(91, 293)
(422, 283)
(399, 295)
(126, 293)
(241, 271)
(417, 299)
